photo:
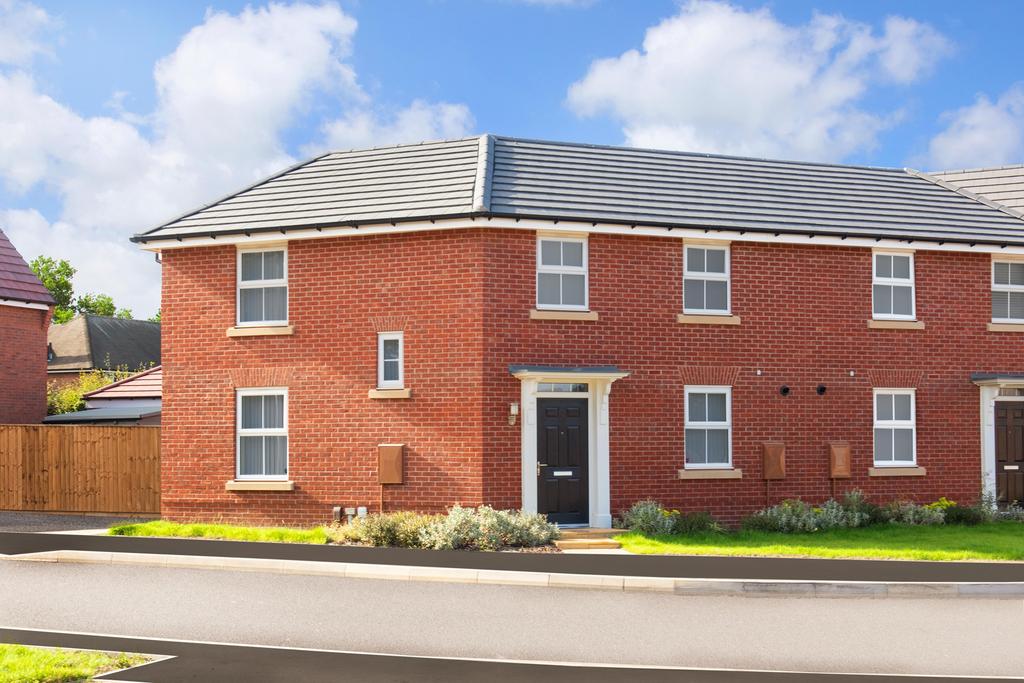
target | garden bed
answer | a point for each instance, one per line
(24, 663)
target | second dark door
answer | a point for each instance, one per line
(1009, 451)
(562, 457)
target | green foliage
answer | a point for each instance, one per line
(391, 529)
(942, 504)
(967, 516)
(227, 532)
(796, 516)
(696, 523)
(68, 398)
(23, 664)
(487, 529)
(1012, 513)
(57, 277)
(156, 317)
(913, 514)
(649, 517)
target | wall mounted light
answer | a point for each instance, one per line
(513, 412)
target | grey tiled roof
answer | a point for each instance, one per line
(1002, 184)
(512, 177)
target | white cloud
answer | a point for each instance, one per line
(985, 133)
(20, 26)
(717, 78)
(419, 121)
(225, 97)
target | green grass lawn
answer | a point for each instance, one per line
(225, 532)
(22, 664)
(994, 541)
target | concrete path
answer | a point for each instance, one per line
(41, 522)
(924, 636)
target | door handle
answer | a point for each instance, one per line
(539, 465)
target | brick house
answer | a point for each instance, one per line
(569, 328)
(25, 310)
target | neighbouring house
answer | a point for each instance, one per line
(1001, 184)
(25, 310)
(570, 328)
(97, 342)
(131, 401)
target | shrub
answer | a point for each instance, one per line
(1012, 513)
(959, 514)
(867, 512)
(696, 523)
(796, 516)
(648, 517)
(987, 506)
(487, 529)
(390, 529)
(942, 504)
(911, 513)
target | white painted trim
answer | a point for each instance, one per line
(395, 383)
(988, 397)
(261, 284)
(14, 303)
(706, 277)
(260, 391)
(894, 424)
(598, 475)
(1007, 288)
(687, 424)
(561, 227)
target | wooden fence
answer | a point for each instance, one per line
(80, 468)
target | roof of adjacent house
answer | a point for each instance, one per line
(104, 415)
(518, 178)
(144, 385)
(89, 342)
(17, 281)
(1001, 184)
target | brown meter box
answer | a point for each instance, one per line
(389, 469)
(839, 459)
(774, 460)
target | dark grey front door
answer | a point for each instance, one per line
(1009, 451)
(562, 457)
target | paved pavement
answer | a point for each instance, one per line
(37, 522)
(923, 636)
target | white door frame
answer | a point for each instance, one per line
(598, 476)
(989, 397)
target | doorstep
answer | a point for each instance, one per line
(675, 586)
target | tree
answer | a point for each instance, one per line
(57, 277)
(68, 398)
(156, 318)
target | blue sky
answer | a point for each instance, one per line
(102, 142)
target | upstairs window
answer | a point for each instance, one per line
(706, 280)
(708, 435)
(390, 361)
(1008, 291)
(895, 428)
(262, 421)
(562, 273)
(263, 287)
(892, 289)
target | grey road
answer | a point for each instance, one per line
(512, 623)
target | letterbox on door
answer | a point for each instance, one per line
(774, 460)
(389, 470)
(839, 459)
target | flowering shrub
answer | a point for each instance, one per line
(648, 517)
(487, 529)
(390, 529)
(796, 516)
(911, 513)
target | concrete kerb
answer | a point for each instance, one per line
(675, 586)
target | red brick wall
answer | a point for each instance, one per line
(22, 364)
(463, 300)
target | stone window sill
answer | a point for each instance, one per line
(897, 471)
(1006, 327)
(267, 331)
(390, 393)
(536, 314)
(693, 319)
(896, 324)
(710, 474)
(256, 485)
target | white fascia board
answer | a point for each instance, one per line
(556, 226)
(14, 303)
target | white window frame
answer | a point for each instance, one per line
(391, 384)
(260, 284)
(714, 277)
(563, 270)
(239, 433)
(1008, 288)
(894, 424)
(893, 281)
(688, 424)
